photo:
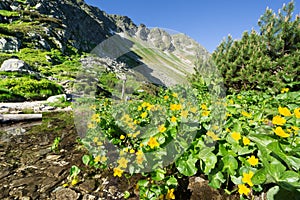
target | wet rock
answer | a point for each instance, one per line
(87, 186)
(55, 171)
(64, 194)
(88, 197)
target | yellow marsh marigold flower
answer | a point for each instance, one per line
(297, 112)
(246, 141)
(228, 114)
(280, 132)
(97, 158)
(205, 113)
(91, 126)
(96, 139)
(204, 107)
(153, 143)
(283, 90)
(236, 136)
(103, 158)
(161, 197)
(144, 115)
(122, 137)
(118, 172)
(150, 107)
(96, 118)
(74, 181)
(144, 104)
(132, 151)
(174, 107)
(139, 159)
(278, 120)
(243, 189)
(100, 143)
(139, 108)
(227, 130)
(166, 97)
(239, 97)
(170, 194)
(173, 119)
(212, 135)
(178, 106)
(284, 111)
(247, 178)
(122, 162)
(136, 134)
(139, 152)
(162, 128)
(246, 114)
(252, 160)
(231, 101)
(193, 109)
(184, 113)
(296, 129)
(175, 95)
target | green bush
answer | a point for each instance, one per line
(28, 89)
(268, 60)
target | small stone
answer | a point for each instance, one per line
(88, 197)
(53, 157)
(64, 194)
(87, 186)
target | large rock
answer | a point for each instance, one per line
(57, 98)
(15, 65)
(160, 39)
(142, 32)
(9, 45)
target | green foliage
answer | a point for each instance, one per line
(55, 144)
(246, 151)
(263, 61)
(7, 13)
(29, 89)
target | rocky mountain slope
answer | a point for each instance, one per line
(50, 36)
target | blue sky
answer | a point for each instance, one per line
(206, 21)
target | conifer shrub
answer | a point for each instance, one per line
(267, 60)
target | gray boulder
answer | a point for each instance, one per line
(57, 98)
(15, 65)
(9, 44)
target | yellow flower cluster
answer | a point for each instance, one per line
(246, 114)
(283, 90)
(153, 143)
(212, 135)
(243, 189)
(205, 111)
(281, 121)
(139, 157)
(175, 107)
